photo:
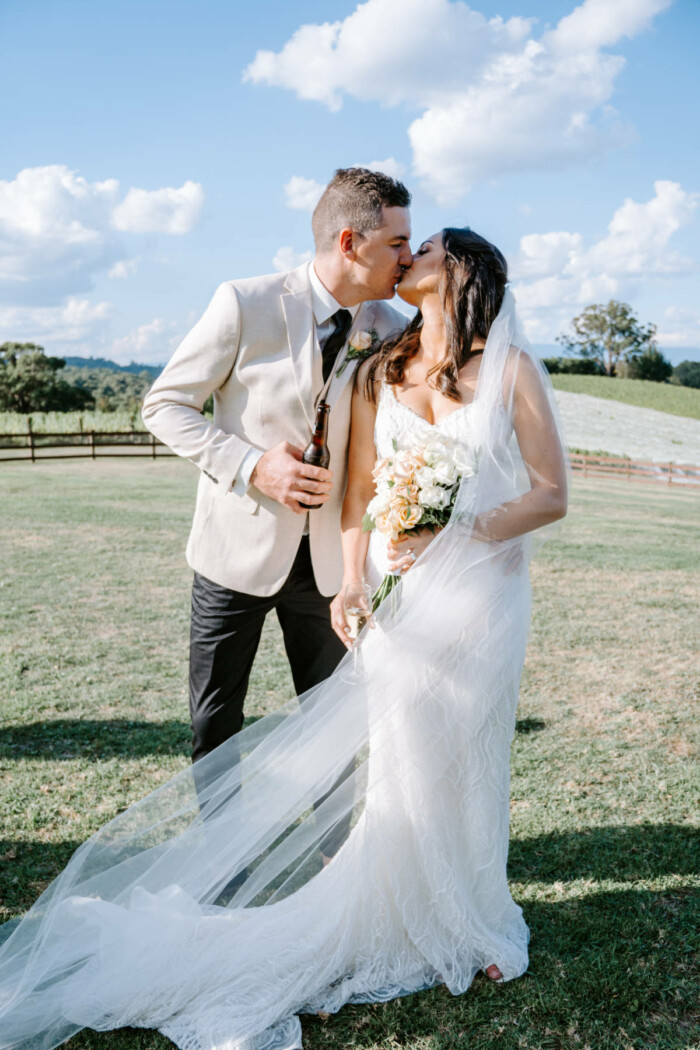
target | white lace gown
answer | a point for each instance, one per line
(417, 894)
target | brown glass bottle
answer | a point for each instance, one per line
(316, 452)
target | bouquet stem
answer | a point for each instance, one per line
(384, 589)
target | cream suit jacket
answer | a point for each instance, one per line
(255, 350)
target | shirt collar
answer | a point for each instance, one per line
(323, 304)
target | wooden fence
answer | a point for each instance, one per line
(91, 444)
(635, 470)
(86, 444)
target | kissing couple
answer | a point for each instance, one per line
(352, 845)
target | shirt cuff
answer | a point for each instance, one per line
(248, 465)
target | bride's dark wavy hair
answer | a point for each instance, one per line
(471, 289)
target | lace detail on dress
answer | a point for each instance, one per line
(397, 422)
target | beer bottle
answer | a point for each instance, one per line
(316, 452)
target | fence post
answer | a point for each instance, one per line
(30, 435)
(153, 446)
(585, 464)
(92, 442)
(629, 469)
(670, 473)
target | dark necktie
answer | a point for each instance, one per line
(342, 320)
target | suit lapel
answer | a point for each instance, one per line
(362, 322)
(298, 316)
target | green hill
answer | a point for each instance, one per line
(664, 397)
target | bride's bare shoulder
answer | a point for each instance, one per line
(367, 385)
(521, 373)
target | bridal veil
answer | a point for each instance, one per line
(205, 910)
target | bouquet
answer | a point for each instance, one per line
(416, 488)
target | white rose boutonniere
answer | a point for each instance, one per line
(361, 344)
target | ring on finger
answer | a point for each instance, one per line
(411, 554)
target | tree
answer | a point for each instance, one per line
(29, 382)
(650, 364)
(608, 334)
(687, 373)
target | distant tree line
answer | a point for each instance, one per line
(609, 340)
(605, 340)
(32, 381)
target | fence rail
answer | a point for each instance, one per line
(635, 470)
(92, 444)
(84, 444)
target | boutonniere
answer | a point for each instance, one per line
(361, 344)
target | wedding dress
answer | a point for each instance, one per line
(135, 931)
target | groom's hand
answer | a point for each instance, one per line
(282, 476)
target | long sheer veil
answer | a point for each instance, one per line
(241, 834)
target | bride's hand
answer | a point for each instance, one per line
(402, 553)
(355, 590)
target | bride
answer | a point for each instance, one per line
(208, 910)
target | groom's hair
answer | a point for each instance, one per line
(354, 199)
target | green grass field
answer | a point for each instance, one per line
(70, 422)
(604, 855)
(664, 397)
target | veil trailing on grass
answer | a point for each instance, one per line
(206, 910)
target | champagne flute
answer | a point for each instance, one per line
(357, 608)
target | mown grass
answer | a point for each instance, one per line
(664, 397)
(604, 840)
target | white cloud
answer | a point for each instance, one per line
(543, 253)
(679, 327)
(77, 320)
(287, 259)
(495, 98)
(124, 268)
(556, 274)
(151, 343)
(302, 194)
(57, 230)
(390, 167)
(167, 210)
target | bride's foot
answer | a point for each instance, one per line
(493, 972)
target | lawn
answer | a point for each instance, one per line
(664, 397)
(605, 853)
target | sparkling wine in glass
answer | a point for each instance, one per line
(357, 607)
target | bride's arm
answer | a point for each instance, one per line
(543, 455)
(360, 490)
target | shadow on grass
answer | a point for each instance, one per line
(610, 969)
(529, 725)
(626, 852)
(74, 738)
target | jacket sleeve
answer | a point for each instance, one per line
(172, 409)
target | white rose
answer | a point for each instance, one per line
(437, 450)
(426, 477)
(361, 341)
(444, 470)
(379, 503)
(434, 496)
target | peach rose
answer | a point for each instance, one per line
(404, 491)
(407, 516)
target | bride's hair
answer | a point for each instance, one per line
(471, 288)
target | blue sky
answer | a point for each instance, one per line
(148, 151)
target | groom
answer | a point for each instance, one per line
(265, 348)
